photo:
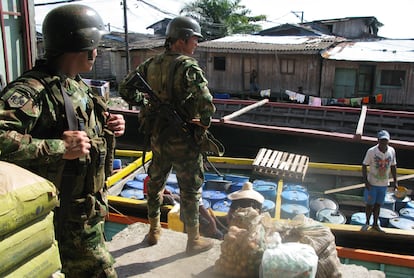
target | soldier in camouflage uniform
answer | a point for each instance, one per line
(52, 124)
(180, 86)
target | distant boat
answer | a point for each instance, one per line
(324, 133)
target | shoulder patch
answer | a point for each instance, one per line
(17, 100)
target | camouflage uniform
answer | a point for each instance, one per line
(177, 80)
(32, 120)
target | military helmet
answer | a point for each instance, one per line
(183, 27)
(72, 28)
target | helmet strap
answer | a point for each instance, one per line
(90, 55)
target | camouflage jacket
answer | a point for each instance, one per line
(176, 80)
(32, 121)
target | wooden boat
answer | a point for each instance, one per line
(390, 251)
(314, 131)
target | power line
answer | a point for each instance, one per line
(55, 2)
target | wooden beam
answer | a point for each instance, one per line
(360, 185)
(244, 110)
(361, 122)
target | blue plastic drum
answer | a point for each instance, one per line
(172, 180)
(360, 218)
(294, 186)
(289, 211)
(385, 216)
(133, 193)
(402, 223)
(212, 176)
(213, 196)
(389, 201)
(330, 216)
(135, 184)
(237, 182)
(206, 203)
(269, 206)
(295, 197)
(222, 205)
(316, 204)
(407, 213)
(401, 203)
(141, 177)
(410, 204)
(266, 188)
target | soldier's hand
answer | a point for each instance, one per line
(198, 122)
(116, 123)
(77, 144)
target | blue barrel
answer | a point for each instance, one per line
(222, 205)
(217, 185)
(330, 216)
(389, 201)
(360, 218)
(294, 186)
(116, 164)
(133, 193)
(269, 206)
(170, 188)
(385, 215)
(266, 188)
(135, 184)
(288, 211)
(401, 203)
(237, 182)
(206, 203)
(295, 197)
(237, 178)
(172, 180)
(212, 176)
(213, 196)
(319, 203)
(407, 213)
(402, 223)
(410, 204)
(141, 177)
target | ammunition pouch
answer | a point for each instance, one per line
(95, 178)
(85, 209)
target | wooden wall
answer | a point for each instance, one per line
(238, 66)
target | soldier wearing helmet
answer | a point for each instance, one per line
(180, 88)
(53, 124)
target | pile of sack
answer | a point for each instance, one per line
(27, 239)
(256, 246)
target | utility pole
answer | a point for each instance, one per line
(296, 14)
(126, 36)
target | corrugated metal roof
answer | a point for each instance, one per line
(241, 43)
(387, 50)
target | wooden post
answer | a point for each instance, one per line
(244, 110)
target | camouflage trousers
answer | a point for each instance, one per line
(83, 251)
(187, 163)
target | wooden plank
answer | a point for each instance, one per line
(295, 163)
(265, 158)
(272, 159)
(259, 156)
(361, 122)
(360, 185)
(244, 110)
(283, 161)
(289, 162)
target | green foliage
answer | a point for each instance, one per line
(219, 18)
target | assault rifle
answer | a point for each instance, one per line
(209, 145)
(139, 83)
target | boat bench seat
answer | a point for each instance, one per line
(280, 164)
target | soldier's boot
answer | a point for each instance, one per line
(195, 243)
(154, 233)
